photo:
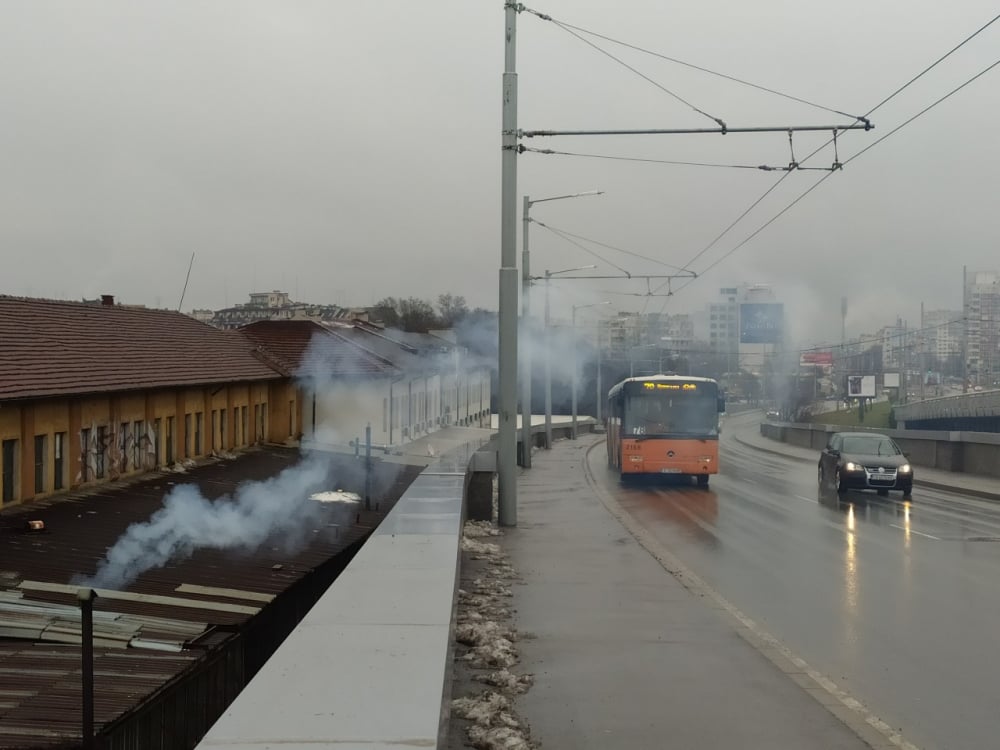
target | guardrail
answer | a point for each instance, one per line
(970, 452)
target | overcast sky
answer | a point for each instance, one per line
(344, 152)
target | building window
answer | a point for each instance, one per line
(156, 441)
(187, 436)
(263, 422)
(58, 448)
(169, 441)
(123, 446)
(102, 447)
(256, 422)
(291, 419)
(137, 445)
(85, 454)
(40, 444)
(213, 430)
(9, 458)
(199, 426)
(222, 429)
(244, 434)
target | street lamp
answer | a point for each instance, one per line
(548, 352)
(575, 364)
(526, 317)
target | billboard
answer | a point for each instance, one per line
(890, 380)
(861, 386)
(762, 322)
(816, 359)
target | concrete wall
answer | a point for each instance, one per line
(971, 452)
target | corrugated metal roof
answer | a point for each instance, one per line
(40, 693)
(302, 345)
(54, 348)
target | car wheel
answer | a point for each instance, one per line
(703, 480)
(819, 475)
(906, 492)
(838, 482)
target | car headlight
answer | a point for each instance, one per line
(850, 466)
(905, 469)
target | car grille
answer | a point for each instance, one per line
(881, 476)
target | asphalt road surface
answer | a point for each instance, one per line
(898, 602)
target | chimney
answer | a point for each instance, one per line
(108, 300)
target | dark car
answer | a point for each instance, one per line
(867, 461)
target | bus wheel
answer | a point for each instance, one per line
(703, 480)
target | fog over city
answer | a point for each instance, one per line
(348, 152)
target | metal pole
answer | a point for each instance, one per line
(368, 466)
(86, 598)
(573, 381)
(507, 348)
(599, 397)
(965, 331)
(548, 368)
(526, 339)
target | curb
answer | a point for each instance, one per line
(981, 494)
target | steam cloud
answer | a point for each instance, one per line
(278, 507)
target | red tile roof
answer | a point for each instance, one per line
(58, 348)
(298, 345)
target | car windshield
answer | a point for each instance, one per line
(870, 445)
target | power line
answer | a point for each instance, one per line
(621, 62)
(833, 140)
(567, 26)
(850, 159)
(564, 234)
(553, 152)
(577, 244)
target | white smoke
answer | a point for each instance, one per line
(278, 508)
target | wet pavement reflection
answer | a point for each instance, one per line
(894, 599)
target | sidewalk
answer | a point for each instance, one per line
(630, 651)
(976, 485)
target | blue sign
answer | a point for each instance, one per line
(762, 323)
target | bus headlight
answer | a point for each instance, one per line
(905, 469)
(635, 459)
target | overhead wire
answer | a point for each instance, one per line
(554, 152)
(813, 153)
(607, 246)
(568, 26)
(624, 64)
(585, 249)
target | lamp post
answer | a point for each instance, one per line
(548, 353)
(575, 363)
(525, 321)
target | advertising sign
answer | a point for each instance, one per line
(861, 386)
(824, 359)
(761, 322)
(890, 380)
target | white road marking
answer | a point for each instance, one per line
(918, 533)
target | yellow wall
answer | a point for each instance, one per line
(96, 448)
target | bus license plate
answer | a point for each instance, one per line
(670, 471)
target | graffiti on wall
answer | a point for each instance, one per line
(107, 452)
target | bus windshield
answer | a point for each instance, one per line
(671, 414)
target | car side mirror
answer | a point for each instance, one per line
(833, 451)
(906, 454)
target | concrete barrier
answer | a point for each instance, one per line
(968, 452)
(370, 665)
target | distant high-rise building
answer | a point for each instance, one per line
(982, 317)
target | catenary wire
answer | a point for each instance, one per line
(637, 48)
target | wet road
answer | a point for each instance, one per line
(896, 601)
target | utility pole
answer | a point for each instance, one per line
(922, 358)
(965, 330)
(507, 324)
(526, 339)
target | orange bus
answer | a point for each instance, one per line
(665, 424)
